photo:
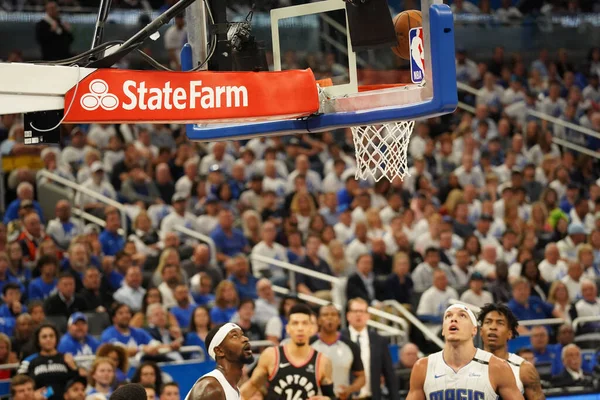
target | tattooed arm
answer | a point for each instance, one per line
(531, 381)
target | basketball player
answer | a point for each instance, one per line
(498, 325)
(228, 346)
(293, 370)
(341, 351)
(460, 370)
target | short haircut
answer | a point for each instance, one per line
(357, 300)
(501, 309)
(65, 275)
(166, 385)
(566, 348)
(130, 391)
(44, 260)
(301, 308)
(523, 350)
(329, 305)
(19, 380)
(246, 301)
(9, 286)
(116, 307)
(431, 250)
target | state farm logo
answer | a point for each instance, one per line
(99, 97)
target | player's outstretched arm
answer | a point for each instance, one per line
(260, 375)
(417, 380)
(207, 389)
(503, 379)
(531, 381)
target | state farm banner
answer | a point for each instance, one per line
(111, 95)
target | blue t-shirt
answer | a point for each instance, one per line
(7, 326)
(222, 315)
(40, 290)
(111, 243)
(230, 246)
(6, 312)
(544, 358)
(203, 299)
(192, 339)
(12, 211)
(91, 391)
(68, 344)
(23, 276)
(537, 309)
(245, 290)
(183, 315)
(136, 337)
(115, 279)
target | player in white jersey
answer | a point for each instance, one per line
(228, 346)
(461, 371)
(498, 326)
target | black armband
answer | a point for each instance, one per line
(327, 390)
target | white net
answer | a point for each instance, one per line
(381, 150)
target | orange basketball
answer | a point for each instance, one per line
(403, 23)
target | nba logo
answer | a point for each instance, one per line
(417, 55)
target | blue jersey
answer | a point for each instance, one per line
(7, 326)
(40, 290)
(183, 315)
(137, 337)
(192, 339)
(6, 312)
(68, 344)
(222, 315)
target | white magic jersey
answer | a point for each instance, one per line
(230, 392)
(471, 382)
(515, 362)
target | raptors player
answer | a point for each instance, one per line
(498, 325)
(461, 371)
(294, 370)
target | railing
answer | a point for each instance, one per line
(203, 238)
(415, 321)
(385, 330)
(543, 116)
(93, 219)
(582, 320)
(78, 188)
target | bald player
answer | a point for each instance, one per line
(228, 346)
(498, 326)
(461, 370)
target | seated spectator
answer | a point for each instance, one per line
(17, 268)
(568, 246)
(148, 375)
(436, 299)
(552, 267)
(409, 354)
(422, 276)
(144, 236)
(500, 288)
(101, 378)
(169, 256)
(110, 239)
(185, 305)
(267, 247)
(40, 288)
(201, 262)
(65, 301)
(164, 182)
(229, 240)
(588, 306)
(362, 283)
(275, 328)
(531, 272)
(64, 228)
(131, 291)
(245, 316)
(179, 217)
(32, 237)
(226, 302)
(542, 353)
(24, 192)
(244, 281)
(169, 391)
(118, 355)
(22, 335)
(573, 280)
(134, 339)
(526, 307)
(202, 291)
(200, 324)
(267, 304)
(152, 296)
(7, 356)
(11, 296)
(565, 336)
(487, 264)
(77, 341)
(475, 295)
(170, 279)
(312, 261)
(399, 284)
(95, 291)
(98, 183)
(559, 296)
(170, 336)
(138, 187)
(360, 244)
(22, 387)
(572, 374)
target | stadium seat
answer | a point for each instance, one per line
(588, 340)
(59, 321)
(97, 322)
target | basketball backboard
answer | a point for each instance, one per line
(347, 104)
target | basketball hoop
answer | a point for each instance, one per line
(381, 150)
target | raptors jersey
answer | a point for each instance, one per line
(293, 382)
(515, 362)
(471, 382)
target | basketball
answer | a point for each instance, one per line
(403, 23)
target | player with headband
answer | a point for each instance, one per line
(461, 370)
(228, 346)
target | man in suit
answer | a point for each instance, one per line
(362, 283)
(572, 374)
(65, 301)
(374, 353)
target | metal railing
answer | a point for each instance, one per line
(546, 117)
(582, 320)
(415, 321)
(203, 238)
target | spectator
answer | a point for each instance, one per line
(97, 183)
(559, 296)
(568, 246)
(200, 324)
(121, 170)
(588, 306)
(31, 237)
(435, 300)
(149, 375)
(246, 312)
(573, 280)
(539, 344)
(475, 295)
(171, 277)
(22, 387)
(399, 284)
(118, 355)
(275, 329)
(226, 302)
(131, 291)
(229, 240)
(164, 182)
(487, 264)
(65, 301)
(40, 288)
(53, 34)
(266, 306)
(178, 217)
(552, 267)
(202, 289)
(362, 283)
(138, 187)
(422, 276)
(572, 374)
(170, 336)
(565, 336)
(169, 391)
(526, 307)
(244, 281)
(152, 296)
(101, 377)
(312, 261)
(95, 291)
(267, 247)
(63, 229)
(24, 192)
(185, 305)
(218, 157)
(409, 354)
(22, 335)
(110, 239)
(77, 341)
(174, 40)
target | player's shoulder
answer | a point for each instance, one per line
(420, 366)
(498, 365)
(209, 388)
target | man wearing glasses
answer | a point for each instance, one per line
(374, 353)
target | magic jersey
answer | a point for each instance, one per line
(471, 382)
(293, 382)
(231, 393)
(515, 362)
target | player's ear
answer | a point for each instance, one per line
(219, 352)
